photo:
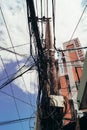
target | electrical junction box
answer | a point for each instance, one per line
(56, 100)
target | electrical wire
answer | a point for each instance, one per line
(12, 92)
(15, 56)
(17, 98)
(11, 43)
(2, 48)
(78, 22)
(15, 121)
(15, 46)
(74, 33)
(70, 61)
(80, 48)
(31, 46)
(24, 66)
(17, 75)
(53, 16)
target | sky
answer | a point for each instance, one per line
(67, 15)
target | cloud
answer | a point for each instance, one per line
(67, 15)
(31, 82)
(16, 19)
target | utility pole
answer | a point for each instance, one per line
(50, 103)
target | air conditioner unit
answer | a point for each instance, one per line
(56, 100)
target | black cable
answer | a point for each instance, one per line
(77, 66)
(74, 31)
(8, 35)
(17, 98)
(80, 48)
(14, 46)
(15, 121)
(53, 15)
(31, 46)
(15, 56)
(16, 76)
(16, 106)
(32, 68)
(12, 92)
(2, 48)
(12, 43)
(70, 61)
(78, 22)
(26, 66)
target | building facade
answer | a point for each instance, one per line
(70, 72)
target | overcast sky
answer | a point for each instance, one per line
(67, 15)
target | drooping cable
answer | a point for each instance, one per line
(23, 67)
(15, 121)
(53, 16)
(78, 23)
(42, 60)
(22, 101)
(2, 48)
(80, 48)
(17, 75)
(75, 29)
(13, 47)
(12, 92)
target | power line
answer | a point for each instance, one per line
(80, 48)
(11, 41)
(74, 33)
(16, 72)
(70, 61)
(15, 46)
(16, 98)
(35, 69)
(12, 93)
(16, 76)
(53, 15)
(8, 36)
(16, 59)
(15, 121)
(24, 69)
(78, 22)
(2, 48)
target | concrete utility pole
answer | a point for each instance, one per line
(50, 103)
(51, 107)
